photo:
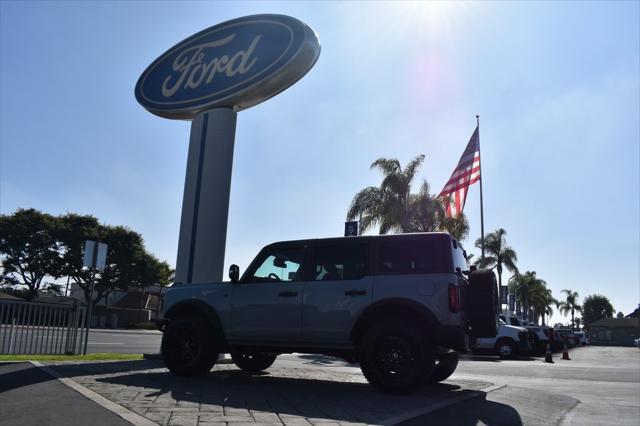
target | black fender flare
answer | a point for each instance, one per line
(196, 307)
(393, 306)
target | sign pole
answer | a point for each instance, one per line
(205, 204)
(92, 286)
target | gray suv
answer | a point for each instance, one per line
(400, 305)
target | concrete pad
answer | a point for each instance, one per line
(279, 396)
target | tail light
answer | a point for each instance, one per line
(454, 298)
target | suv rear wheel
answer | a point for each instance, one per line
(188, 348)
(252, 362)
(447, 364)
(394, 357)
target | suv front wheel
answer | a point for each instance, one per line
(395, 357)
(188, 348)
(252, 362)
(506, 348)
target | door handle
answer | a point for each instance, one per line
(355, 293)
(288, 294)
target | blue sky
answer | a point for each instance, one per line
(556, 86)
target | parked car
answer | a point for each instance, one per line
(510, 341)
(402, 306)
(563, 335)
(581, 338)
(542, 335)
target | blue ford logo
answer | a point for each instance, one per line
(236, 64)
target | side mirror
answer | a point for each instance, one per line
(234, 273)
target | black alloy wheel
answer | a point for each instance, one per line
(252, 362)
(188, 347)
(447, 364)
(395, 357)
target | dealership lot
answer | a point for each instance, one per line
(600, 385)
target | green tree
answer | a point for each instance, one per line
(499, 254)
(532, 294)
(393, 208)
(457, 226)
(128, 263)
(570, 304)
(542, 300)
(595, 308)
(578, 322)
(619, 315)
(29, 250)
(388, 206)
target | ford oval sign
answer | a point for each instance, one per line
(236, 64)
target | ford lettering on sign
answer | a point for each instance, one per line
(236, 64)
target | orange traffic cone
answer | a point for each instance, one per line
(547, 355)
(565, 352)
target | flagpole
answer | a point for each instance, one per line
(481, 173)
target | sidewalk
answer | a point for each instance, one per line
(29, 396)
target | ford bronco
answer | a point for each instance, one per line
(402, 306)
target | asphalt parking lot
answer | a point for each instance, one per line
(600, 385)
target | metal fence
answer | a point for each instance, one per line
(41, 328)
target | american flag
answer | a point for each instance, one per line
(467, 172)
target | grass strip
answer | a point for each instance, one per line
(102, 356)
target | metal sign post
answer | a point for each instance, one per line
(95, 256)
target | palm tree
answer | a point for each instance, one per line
(499, 253)
(425, 211)
(570, 304)
(394, 208)
(542, 300)
(457, 226)
(389, 205)
(532, 294)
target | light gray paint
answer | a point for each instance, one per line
(203, 227)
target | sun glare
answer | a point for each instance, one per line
(437, 18)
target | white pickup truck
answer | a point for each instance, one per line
(542, 335)
(509, 343)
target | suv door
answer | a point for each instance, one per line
(266, 304)
(338, 290)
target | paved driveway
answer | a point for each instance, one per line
(228, 396)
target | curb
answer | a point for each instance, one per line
(130, 416)
(126, 331)
(223, 359)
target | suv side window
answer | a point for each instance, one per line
(279, 265)
(413, 257)
(333, 263)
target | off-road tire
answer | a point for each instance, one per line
(189, 347)
(446, 365)
(481, 303)
(501, 346)
(252, 362)
(395, 357)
